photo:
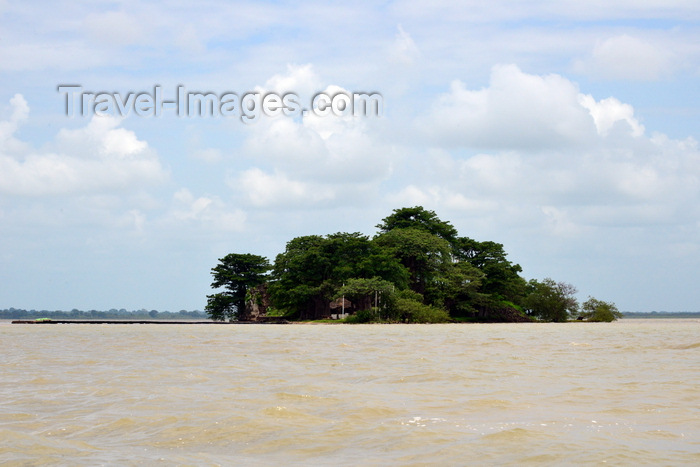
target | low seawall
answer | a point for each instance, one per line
(103, 321)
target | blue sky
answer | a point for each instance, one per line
(566, 130)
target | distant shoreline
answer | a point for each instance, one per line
(134, 321)
(635, 316)
(660, 315)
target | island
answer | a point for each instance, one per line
(416, 269)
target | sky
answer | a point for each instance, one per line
(565, 130)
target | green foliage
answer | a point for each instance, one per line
(311, 271)
(393, 306)
(235, 273)
(505, 312)
(221, 307)
(551, 301)
(277, 313)
(501, 277)
(409, 294)
(457, 288)
(418, 218)
(363, 316)
(425, 255)
(415, 269)
(599, 311)
(363, 293)
(413, 311)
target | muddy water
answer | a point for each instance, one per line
(624, 393)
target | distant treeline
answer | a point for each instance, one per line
(660, 314)
(16, 313)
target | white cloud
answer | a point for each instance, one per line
(311, 160)
(628, 57)
(615, 172)
(19, 114)
(517, 110)
(546, 145)
(99, 157)
(116, 28)
(404, 49)
(27, 57)
(190, 40)
(609, 111)
(436, 195)
(133, 220)
(559, 223)
(315, 159)
(277, 190)
(286, 143)
(207, 211)
(299, 79)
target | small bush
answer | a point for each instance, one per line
(362, 316)
(416, 312)
(599, 311)
(409, 294)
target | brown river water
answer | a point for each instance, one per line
(623, 393)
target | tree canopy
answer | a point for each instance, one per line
(417, 266)
(235, 273)
(423, 254)
(312, 269)
(418, 218)
(551, 301)
(598, 310)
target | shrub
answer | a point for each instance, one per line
(363, 316)
(416, 312)
(599, 311)
(409, 295)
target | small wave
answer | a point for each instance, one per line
(687, 346)
(420, 421)
(514, 435)
(490, 403)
